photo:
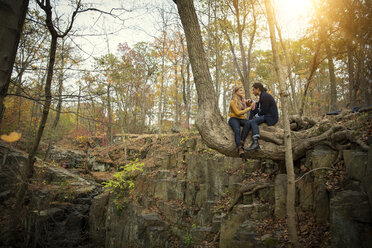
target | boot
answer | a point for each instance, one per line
(241, 151)
(254, 145)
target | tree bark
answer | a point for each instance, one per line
(350, 69)
(121, 118)
(291, 189)
(109, 113)
(332, 77)
(59, 104)
(78, 107)
(176, 96)
(12, 17)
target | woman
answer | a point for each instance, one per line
(238, 108)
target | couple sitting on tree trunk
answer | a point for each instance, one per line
(265, 110)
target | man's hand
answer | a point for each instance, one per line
(253, 105)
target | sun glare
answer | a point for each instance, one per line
(292, 15)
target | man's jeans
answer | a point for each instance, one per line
(254, 124)
(235, 124)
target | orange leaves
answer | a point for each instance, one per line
(12, 137)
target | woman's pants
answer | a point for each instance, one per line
(235, 124)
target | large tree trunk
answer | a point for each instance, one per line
(209, 120)
(291, 189)
(12, 17)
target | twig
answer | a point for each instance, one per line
(252, 187)
(320, 168)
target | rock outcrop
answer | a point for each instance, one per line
(190, 195)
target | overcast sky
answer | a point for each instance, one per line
(140, 20)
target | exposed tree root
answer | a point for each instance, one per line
(248, 189)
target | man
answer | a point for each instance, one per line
(263, 111)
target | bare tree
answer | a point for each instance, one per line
(291, 188)
(46, 6)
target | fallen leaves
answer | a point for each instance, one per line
(12, 137)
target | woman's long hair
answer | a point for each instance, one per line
(236, 98)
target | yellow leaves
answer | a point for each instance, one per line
(302, 71)
(12, 137)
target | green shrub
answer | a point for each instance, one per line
(122, 183)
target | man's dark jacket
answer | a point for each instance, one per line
(266, 106)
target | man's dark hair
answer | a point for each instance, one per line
(259, 86)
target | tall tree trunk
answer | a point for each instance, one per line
(250, 48)
(176, 96)
(143, 103)
(217, 58)
(289, 71)
(241, 27)
(332, 77)
(208, 109)
(184, 95)
(350, 69)
(12, 17)
(53, 129)
(44, 118)
(161, 97)
(78, 108)
(188, 94)
(291, 189)
(109, 113)
(121, 118)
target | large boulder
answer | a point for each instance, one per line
(97, 219)
(356, 164)
(350, 220)
(280, 196)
